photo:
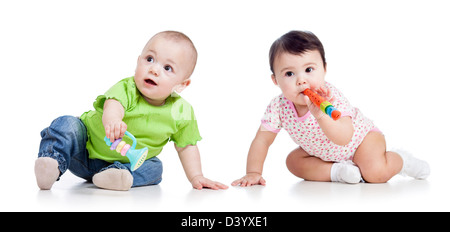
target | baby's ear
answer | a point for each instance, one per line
(274, 79)
(137, 62)
(180, 87)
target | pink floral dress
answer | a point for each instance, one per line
(306, 132)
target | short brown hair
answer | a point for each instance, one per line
(297, 43)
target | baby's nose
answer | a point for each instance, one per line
(154, 70)
(301, 81)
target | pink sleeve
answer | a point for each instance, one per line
(271, 119)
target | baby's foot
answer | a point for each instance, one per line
(413, 167)
(345, 172)
(46, 171)
(113, 179)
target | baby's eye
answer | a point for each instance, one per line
(150, 59)
(289, 74)
(309, 69)
(168, 68)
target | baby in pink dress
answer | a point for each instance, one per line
(306, 132)
(345, 150)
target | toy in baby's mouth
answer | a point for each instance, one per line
(324, 105)
(136, 157)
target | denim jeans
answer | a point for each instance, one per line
(65, 141)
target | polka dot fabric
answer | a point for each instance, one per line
(306, 132)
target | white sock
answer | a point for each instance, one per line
(413, 167)
(345, 172)
(46, 171)
(113, 179)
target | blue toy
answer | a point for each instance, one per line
(136, 157)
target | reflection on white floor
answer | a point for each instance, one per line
(74, 194)
(283, 192)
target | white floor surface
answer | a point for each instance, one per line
(283, 192)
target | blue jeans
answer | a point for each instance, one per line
(65, 141)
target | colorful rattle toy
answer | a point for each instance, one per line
(324, 105)
(136, 157)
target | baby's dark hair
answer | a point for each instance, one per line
(296, 43)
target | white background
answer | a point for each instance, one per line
(390, 59)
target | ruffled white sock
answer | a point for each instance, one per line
(412, 166)
(345, 172)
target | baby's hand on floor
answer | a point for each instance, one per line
(198, 182)
(115, 130)
(249, 180)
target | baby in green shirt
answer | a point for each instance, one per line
(147, 106)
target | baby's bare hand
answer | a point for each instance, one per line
(249, 180)
(326, 93)
(315, 110)
(115, 130)
(199, 182)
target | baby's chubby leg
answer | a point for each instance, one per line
(376, 165)
(302, 165)
(307, 167)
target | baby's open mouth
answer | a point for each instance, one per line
(150, 82)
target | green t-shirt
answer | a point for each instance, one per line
(153, 126)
